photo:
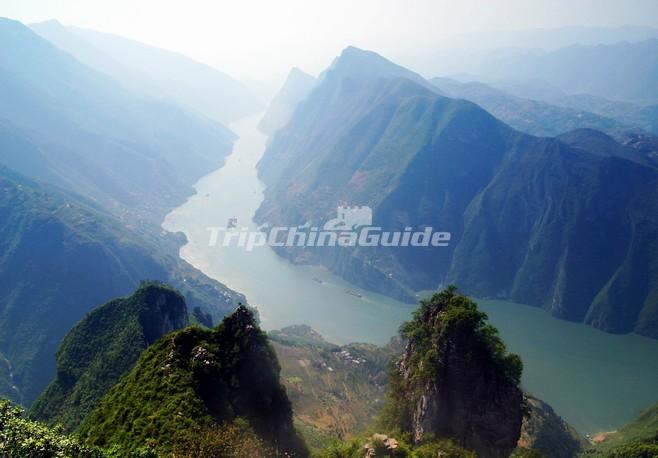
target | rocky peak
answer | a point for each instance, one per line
(163, 310)
(104, 346)
(543, 430)
(456, 380)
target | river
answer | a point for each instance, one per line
(594, 380)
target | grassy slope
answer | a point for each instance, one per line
(637, 439)
(63, 255)
(521, 209)
(193, 379)
(334, 395)
(105, 345)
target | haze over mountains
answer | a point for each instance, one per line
(520, 208)
(61, 256)
(156, 72)
(147, 152)
(527, 115)
(543, 167)
(586, 69)
(101, 166)
(295, 89)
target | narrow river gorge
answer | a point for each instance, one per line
(596, 381)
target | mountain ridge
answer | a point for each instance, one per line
(86, 257)
(103, 346)
(196, 378)
(420, 159)
(155, 71)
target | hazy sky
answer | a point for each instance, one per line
(258, 39)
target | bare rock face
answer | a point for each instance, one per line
(456, 380)
(543, 430)
(103, 347)
(162, 312)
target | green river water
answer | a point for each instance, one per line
(594, 380)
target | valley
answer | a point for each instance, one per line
(301, 230)
(596, 381)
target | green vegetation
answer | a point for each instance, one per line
(23, 438)
(379, 443)
(640, 448)
(229, 440)
(79, 133)
(457, 379)
(63, 255)
(419, 159)
(530, 116)
(445, 322)
(637, 439)
(103, 347)
(336, 391)
(194, 380)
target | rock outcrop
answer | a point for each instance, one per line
(197, 380)
(105, 345)
(456, 380)
(545, 431)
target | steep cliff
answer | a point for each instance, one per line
(103, 347)
(544, 431)
(195, 380)
(567, 224)
(295, 89)
(637, 439)
(62, 255)
(455, 379)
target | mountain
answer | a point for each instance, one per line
(295, 89)
(136, 155)
(582, 69)
(544, 431)
(533, 220)
(559, 37)
(155, 71)
(456, 380)
(196, 379)
(20, 436)
(626, 113)
(530, 116)
(638, 438)
(104, 346)
(63, 255)
(360, 63)
(336, 391)
(476, 52)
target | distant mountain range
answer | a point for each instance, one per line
(559, 37)
(530, 116)
(63, 255)
(155, 72)
(147, 152)
(630, 115)
(566, 224)
(194, 383)
(88, 170)
(208, 392)
(105, 345)
(295, 89)
(621, 71)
